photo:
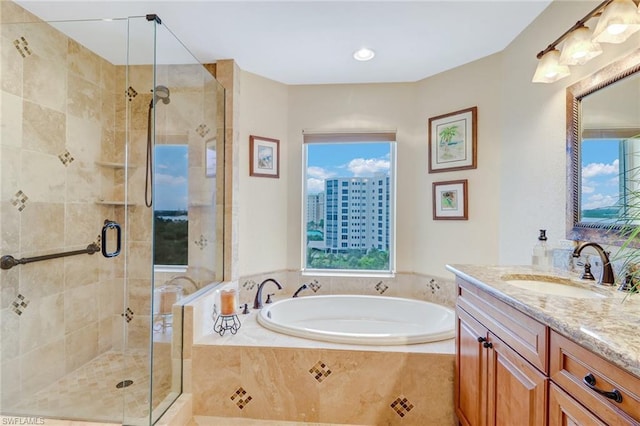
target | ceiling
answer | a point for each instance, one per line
(312, 42)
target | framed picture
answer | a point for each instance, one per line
(450, 200)
(210, 157)
(452, 141)
(264, 157)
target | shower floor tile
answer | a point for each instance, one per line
(90, 392)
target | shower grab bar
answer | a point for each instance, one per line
(8, 261)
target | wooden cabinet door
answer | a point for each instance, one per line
(566, 411)
(516, 391)
(471, 371)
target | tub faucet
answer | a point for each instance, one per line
(257, 303)
(606, 278)
(302, 287)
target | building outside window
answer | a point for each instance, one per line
(348, 173)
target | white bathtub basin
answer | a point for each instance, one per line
(364, 320)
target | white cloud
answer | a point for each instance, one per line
(319, 173)
(587, 189)
(165, 179)
(368, 167)
(162, 166)
(600, 200)
(598, 169)
(315, 186)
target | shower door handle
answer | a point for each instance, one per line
(109, 224)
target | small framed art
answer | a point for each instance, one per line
(264, 157)
(450, 200)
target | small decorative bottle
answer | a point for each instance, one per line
(540, 260)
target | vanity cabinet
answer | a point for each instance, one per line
(610, 393)
(513, 370)
(496, 384)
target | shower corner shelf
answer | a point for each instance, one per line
(113, 165)
(115, 203)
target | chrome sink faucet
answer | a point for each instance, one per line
(607, 277)
(257, 303)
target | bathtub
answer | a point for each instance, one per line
(356, 319)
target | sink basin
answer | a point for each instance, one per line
(553, 286)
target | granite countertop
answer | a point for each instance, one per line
(608, 326)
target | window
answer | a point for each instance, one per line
(362, 165)
(171, 225)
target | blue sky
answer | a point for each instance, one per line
(344, 160)
(171, 177)
(600, 172)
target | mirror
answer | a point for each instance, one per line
(603, 150)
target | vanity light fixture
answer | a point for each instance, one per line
(579, 47)
(549, 68)
(617, 20)
(364, 54)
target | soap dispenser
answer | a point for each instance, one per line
(540, 259)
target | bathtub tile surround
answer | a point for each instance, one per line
(294, 379)
(410, 285)
(355, 387)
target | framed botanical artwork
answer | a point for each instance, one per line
(264, 157)
(453, 140)
(450, 200)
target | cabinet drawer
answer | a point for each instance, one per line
(571, 363)
(524, 334)
(564, 410)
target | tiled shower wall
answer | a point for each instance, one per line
(63, 149)
(58, 116)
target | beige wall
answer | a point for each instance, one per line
(518, 187)
(265, 214)
(532, 175)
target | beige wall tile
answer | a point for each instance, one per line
(42, 227)
(83, 140)
(11, 130)
(80, 308)
(44, 130)
(81, 270)
(105, 334)
(42, 177)
(10, 231)
(51, 366)
(81, 346)
(429, 387)
(83, 225)
(38, 73)
(218, 377)
(10, 340)
(10, 375)
(84, 99)
(10, 173)
(83, 62)
(11, 64)
(41, 323)
(40, 279)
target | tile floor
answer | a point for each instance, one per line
(90, 392)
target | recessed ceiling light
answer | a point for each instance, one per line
(363, 54)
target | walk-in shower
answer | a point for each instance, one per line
(83, 105)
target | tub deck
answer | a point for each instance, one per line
(251, 333)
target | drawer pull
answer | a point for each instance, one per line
(487, 345)
(482, 339)
(590, 381)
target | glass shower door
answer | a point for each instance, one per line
(62, 180)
